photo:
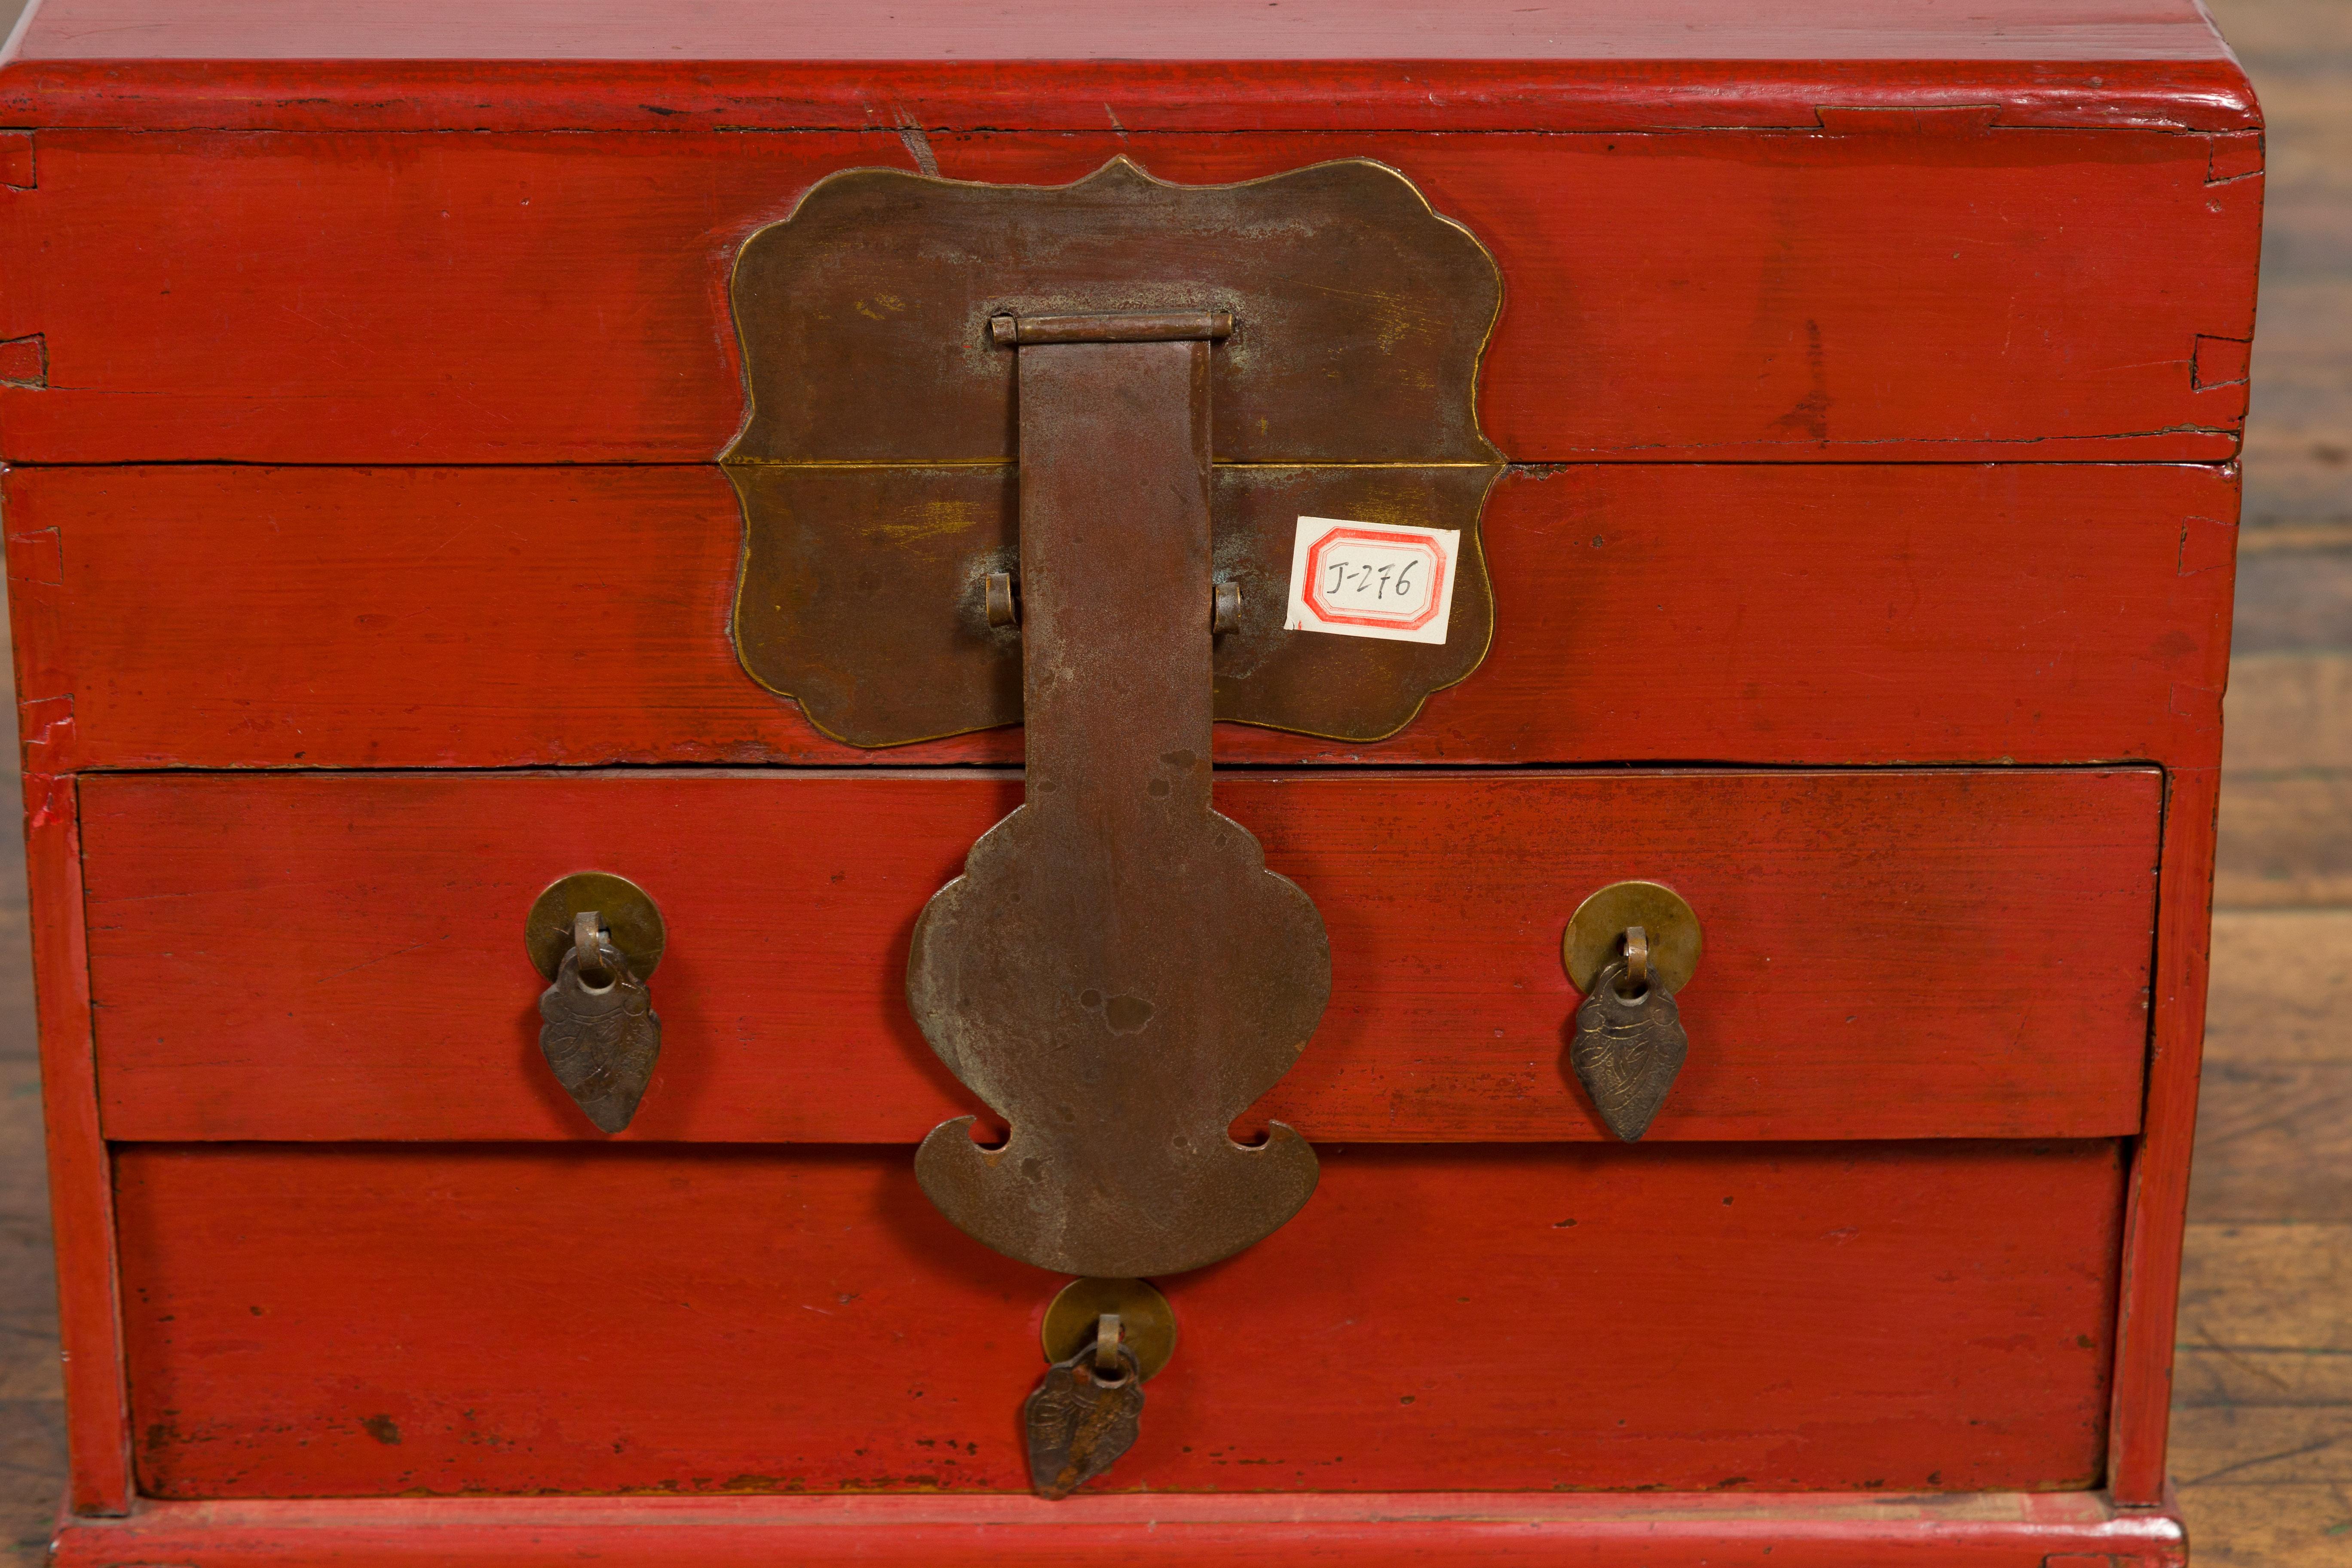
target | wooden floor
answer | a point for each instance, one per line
(2262, 1421)
(2262, 1424)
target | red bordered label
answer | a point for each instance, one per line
(1372, 580)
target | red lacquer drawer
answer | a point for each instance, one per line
(367, 1321)
(1888, 954)
(1797, 613)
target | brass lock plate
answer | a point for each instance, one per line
(1148, 1322)
(1600, 923)
(629, 914)
(879, 471)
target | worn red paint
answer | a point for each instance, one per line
(1797, 613)
(1873, 394)
(1862, 1317)
(1410, 1530)
(81, 1192)
(1888, 955)
(1774, 295)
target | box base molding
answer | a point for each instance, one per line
(1664, 1529)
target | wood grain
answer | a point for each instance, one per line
(28, 1285)
(32, 1390)
(32, 1476)
(1139, 97)
(2274, 1140)
(2295, 600)
(223, 617)
(2160, 1163)
(2267, 1445)
(2282, 987)
(2277, 1288)
(2269, 1145)
(440, 1319)
(2266, 1319)
(81, 1206)
(2299, 447)
(2301, 452)
(2054, 30)
(2208, 1376)
(2286, 715)
(2271, 1525)
(1888, 954)
(1881, 287)
(1669, 1530)
(2263, 1425)
(2264, 1421)
(2287, 841)
(32, 1385)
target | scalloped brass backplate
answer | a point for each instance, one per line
(879, 471)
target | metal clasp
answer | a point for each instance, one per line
(595, 938)
(1115, 974)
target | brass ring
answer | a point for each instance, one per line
(1125, 1369)
(1637, 962)
(589, 948)
(1003, 609)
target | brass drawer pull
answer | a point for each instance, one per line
(596, 938)
(1629, 948)
(1085, 1415)
(1105, 1338)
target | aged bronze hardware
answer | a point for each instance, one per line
(1005, 398)
(1121, 327)
(1084, 1414)
(598, 1031)
(881, 323)
(1116, 973)
(1003, 610)
(1629, 948)
(1227, 614)
(630, 914)
(1637, 958)
(1146, 1321)
(1596, 932)
(1629, 1046)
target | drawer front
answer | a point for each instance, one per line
(441, 617)
(316, 1322)
(1888, 954)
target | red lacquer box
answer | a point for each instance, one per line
(455, 448)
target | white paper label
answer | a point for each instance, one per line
(1372, 579)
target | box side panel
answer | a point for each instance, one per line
(2160, 1162)
(81, 1190)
